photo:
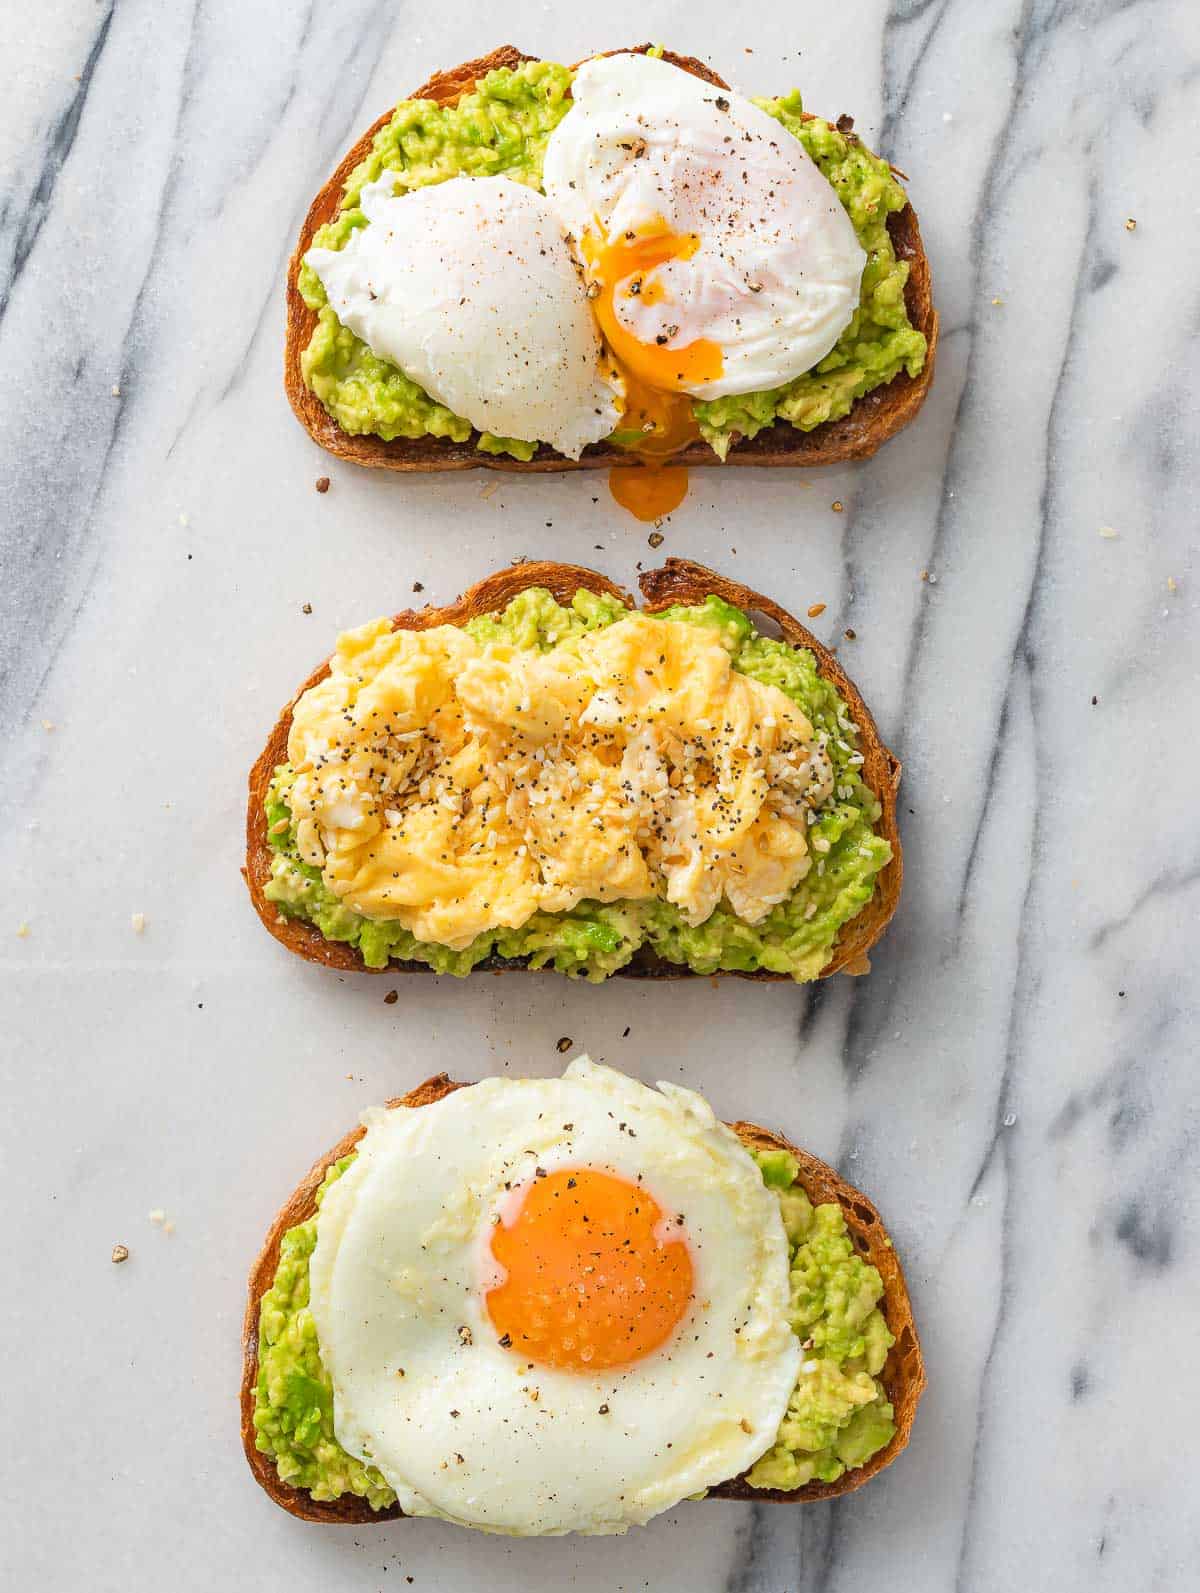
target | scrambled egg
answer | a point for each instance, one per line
(457, 786)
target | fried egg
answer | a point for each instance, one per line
(553, 1305)
(468, 287)
(721, 259)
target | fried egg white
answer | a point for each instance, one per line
(468, 287)
(724, 261)
(553, 1305)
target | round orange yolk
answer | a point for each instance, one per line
(589, 1282)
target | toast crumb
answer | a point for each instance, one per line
(322, 483)
(120, 1253)
(815, 610)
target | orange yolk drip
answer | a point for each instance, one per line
(589, 1284)
(648, 492)
(620, 267)
(656, 406)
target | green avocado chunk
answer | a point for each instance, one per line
(839, 1414)
(293, 1400)
(594, 939)
(837, 1418)
(501, 129)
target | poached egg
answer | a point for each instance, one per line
(719, 259)
(469, 288)
(725, 262)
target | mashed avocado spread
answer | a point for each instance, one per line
(501, 129)
(838, 1415)
(594, 939)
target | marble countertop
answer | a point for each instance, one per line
(1014, 1083)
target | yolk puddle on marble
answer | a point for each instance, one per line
(657, 409)
(648, 491)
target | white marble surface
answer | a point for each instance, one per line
(1014, 1083)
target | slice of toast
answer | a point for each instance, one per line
(903, 1375)
(678, 581)
(875, 418)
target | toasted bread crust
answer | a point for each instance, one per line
(678, 581)
(903, 1376)
(873, 419)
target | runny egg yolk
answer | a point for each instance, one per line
(591, 1279)
(623, 267)
(648, 491)
(656, 407)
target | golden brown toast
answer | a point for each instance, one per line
(903, 1375)
(678, 581)
(875, 418)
